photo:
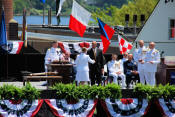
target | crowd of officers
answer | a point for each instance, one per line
(140, 66)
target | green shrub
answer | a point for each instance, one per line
(70, 91)
(10, 92)
(150, 92)
(83, 91)
(168, 91)
(13, 92)
(65, 91)
(30, 92)
(113, 91)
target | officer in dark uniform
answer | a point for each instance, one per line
(130, 70)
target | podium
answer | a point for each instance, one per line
(64, 69)
(165, 72)
(161, 73)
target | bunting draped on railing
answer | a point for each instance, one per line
(124, 107)
(13, 47)
(83, 108)
(20, 108)
(76, 47)
(168, 106)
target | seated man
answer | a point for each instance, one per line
(53, 54)
(116, 70)
(130, 70)
(125, 57)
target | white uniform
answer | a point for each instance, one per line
(52, 54)
(83, 67)
(140, 54)
(116, 66)
(150, 69)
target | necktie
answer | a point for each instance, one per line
(94, 54)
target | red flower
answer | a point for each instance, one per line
(126, 101)
(15, 101)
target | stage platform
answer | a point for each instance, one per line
(37, 85)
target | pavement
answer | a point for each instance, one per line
(37, 85)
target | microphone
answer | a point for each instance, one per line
(161, 54)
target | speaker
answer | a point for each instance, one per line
(134, 18)
(142, 18)
(126, 17)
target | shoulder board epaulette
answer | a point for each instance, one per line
(58, 49)
(156, 50)
(148, 49)
(145, 50)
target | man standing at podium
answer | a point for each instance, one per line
(96, 70)
(53, 54)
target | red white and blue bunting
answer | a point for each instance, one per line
(76, 47)
(13, 47)
(125, 107)
(83, 108)
(168, 106)
(20, 108)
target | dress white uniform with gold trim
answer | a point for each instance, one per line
(140, 55)
(150, 69)
(52, 54)
(116, 66)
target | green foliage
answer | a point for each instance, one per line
(116, 16)
(70, 91)
(10, 92)
(83, 92)
(113, 91)
(66, 91)
(30, 92)
(167, 91)
(19, 5)
(13, 92)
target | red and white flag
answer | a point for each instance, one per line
(79, 19)
(124, 45)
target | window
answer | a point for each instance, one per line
(172, 29)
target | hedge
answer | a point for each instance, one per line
(71, 92)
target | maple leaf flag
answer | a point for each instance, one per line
(124, 45)
(79, 19)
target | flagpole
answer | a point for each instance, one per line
(57, 8)
(6, 45)
(43, 16)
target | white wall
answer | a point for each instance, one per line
(156, 28)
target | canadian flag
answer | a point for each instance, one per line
(79, 19)
(124, 45)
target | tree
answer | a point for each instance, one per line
(116, 16)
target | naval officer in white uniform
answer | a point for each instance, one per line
(82, 67)
(53, 54)
(116, 70)
(139, 57)
(152, 58)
